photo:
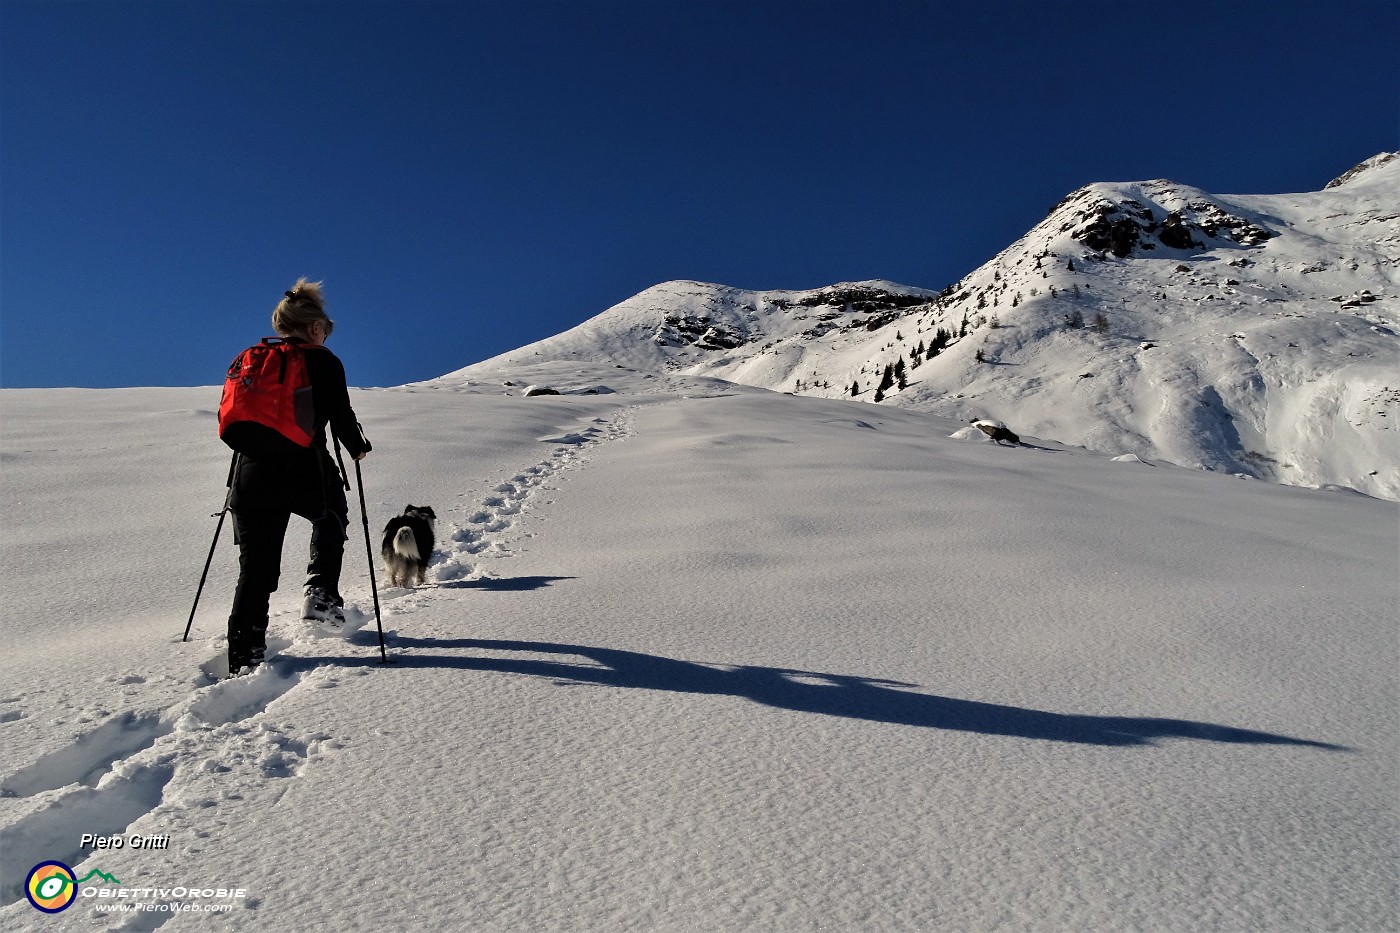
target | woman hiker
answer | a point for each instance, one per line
(268, 489)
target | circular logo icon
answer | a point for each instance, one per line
(51, 887)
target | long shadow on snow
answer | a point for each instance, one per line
(501, 584)
(863, 698)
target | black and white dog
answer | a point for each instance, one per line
(408, 544)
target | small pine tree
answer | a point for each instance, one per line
(855, 388)
(1074, 320)
(1070, 266)
(941, 338)
(879, 395)
(887, 380)
(1101, 323)
(980, 357)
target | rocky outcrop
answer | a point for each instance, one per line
(679, 330)
(1376, 161)
(1126, 227)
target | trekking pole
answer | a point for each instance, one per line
(369, 550)
(364, 518)
(222, 513)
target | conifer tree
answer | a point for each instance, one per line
(941, 338)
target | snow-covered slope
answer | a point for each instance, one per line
(767, 339)
(697, 657)
(1253, 334)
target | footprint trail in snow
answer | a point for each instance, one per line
(483, 530)
(170, 764)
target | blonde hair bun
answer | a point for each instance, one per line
(302, 305)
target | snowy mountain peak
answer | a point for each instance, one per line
(1364, 171)
(1251, 334)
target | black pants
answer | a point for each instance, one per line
(265, 497)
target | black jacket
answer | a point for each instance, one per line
(331, 399)
(307, 482)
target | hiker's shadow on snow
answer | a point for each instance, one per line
(502, 584)
(863, 698)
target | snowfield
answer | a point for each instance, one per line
(698, 656)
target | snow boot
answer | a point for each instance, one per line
(326, 610)
(247, 644)
(245, 662)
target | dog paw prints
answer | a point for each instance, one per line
(484, 525)
(503, 505)
(453, 568)
(472, 540)
(238, 758)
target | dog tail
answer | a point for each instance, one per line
(405, 544)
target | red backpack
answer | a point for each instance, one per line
(266, 410)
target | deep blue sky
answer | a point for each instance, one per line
(469, 177)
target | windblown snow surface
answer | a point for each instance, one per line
(696, 656)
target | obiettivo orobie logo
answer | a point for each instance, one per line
(52, 886)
